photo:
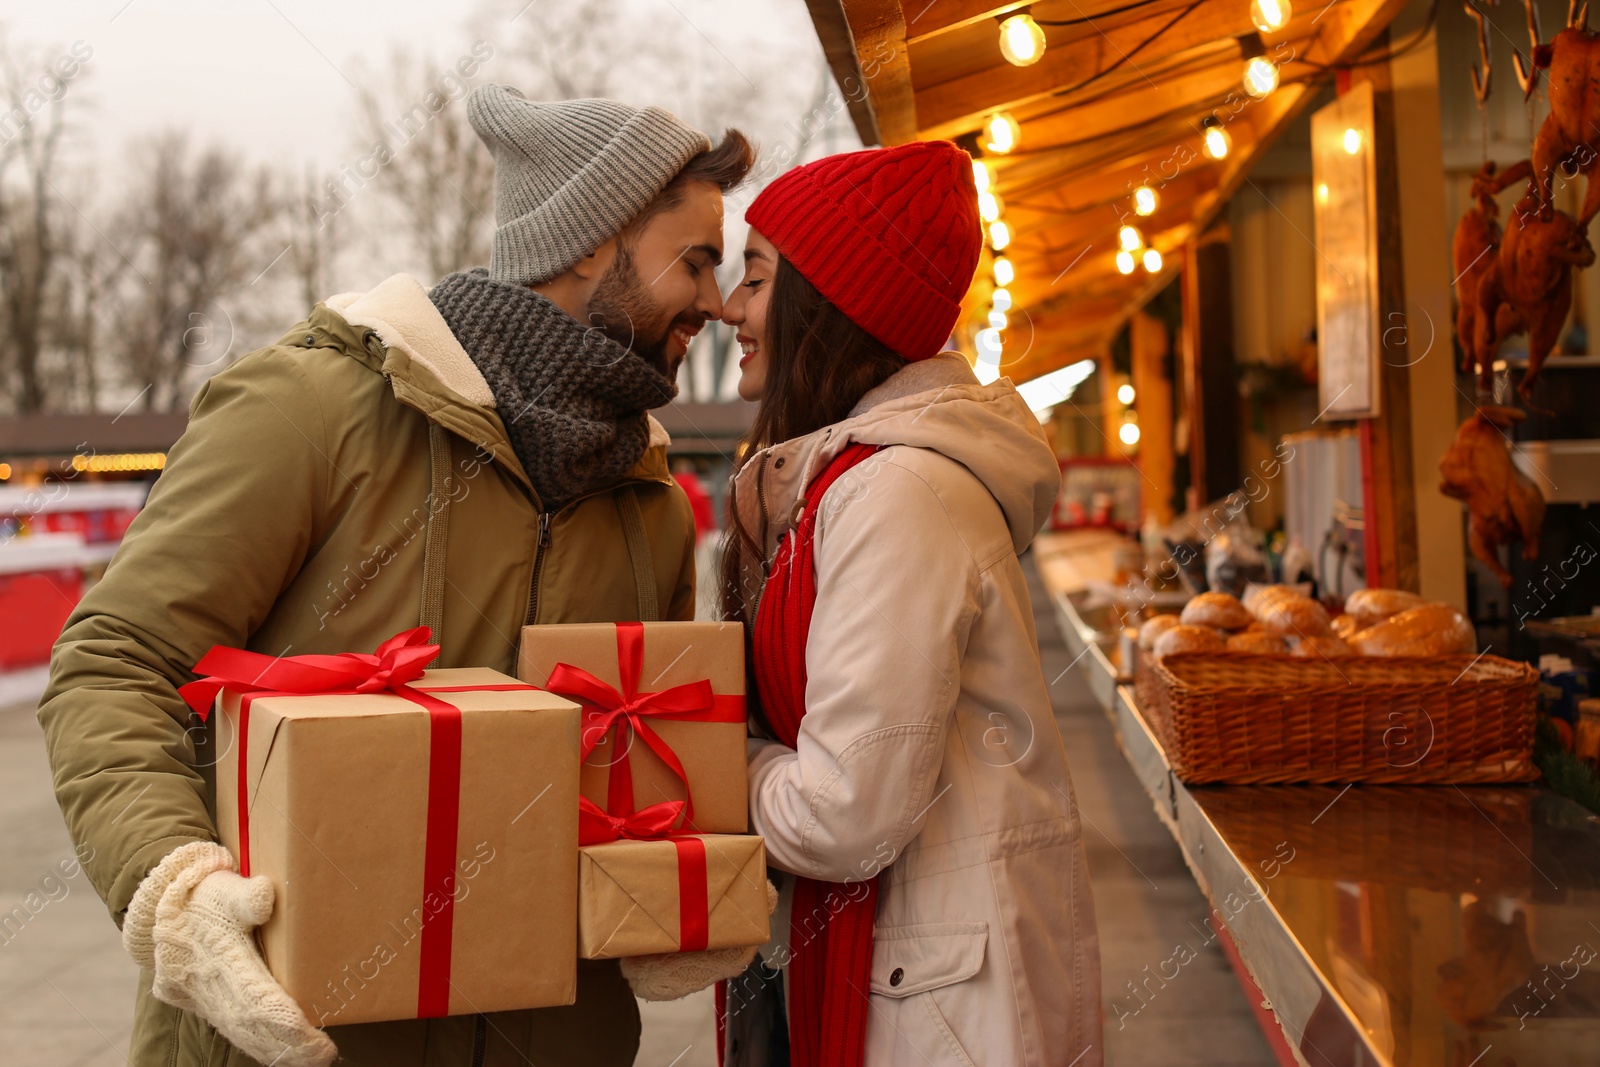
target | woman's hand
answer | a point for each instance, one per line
(673, 975)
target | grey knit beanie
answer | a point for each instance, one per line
(569, 174)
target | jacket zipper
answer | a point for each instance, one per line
(761, 501)
(545, 520)
(480, 1042)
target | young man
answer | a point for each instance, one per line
(472, 457)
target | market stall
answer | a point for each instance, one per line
(1345, 639)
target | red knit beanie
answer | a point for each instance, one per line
(889, 235)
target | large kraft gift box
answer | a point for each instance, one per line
(637, 677)
(421, 868)
(680, 894)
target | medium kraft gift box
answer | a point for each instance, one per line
(678, 894)
(665, 665)
(388, 904)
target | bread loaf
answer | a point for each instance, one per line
(1219, 610)
(1322, 646)
(1293, 615)
(1154, 628)
(1371, 606)
(1345, 626)
(1258, 641)
(1425, 630)
(1188, 639)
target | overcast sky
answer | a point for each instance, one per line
(276, 77)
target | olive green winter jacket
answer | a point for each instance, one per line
(294, 516)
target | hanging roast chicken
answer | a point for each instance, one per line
(1477, 242)
(1504, 503)
(1532, 275)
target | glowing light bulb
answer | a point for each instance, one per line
(997, 319)
(1125, 262)
(1129, 433)
(1001, 299)
(1004, 272)
(1322, 192)
(1130, 239)
(1269, 15)
(1352, 140)
(1218, 141)
(1002, 132)
(1144, 200)
(989, 206)
(1021, 40)
(1260, 77)
(1152, 261)
(1125, 393)
(981, 175)
(999, 235)
(989, 345)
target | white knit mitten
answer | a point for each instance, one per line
(190, 921)
(673, 975)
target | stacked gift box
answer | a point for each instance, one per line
(451, 841)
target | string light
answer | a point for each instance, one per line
(1021, 40)
(1218, 141)
(1004, 272)
(1002, 132)
(997, 319)
(1125, 262)
(1129, 433)
(981, 176)
(999, 235)
(1352, 140)
(1130, 239)
(1125, 393)
(1260, 77)
(1001, 299)
(1269, 15)
(1144, 200)
(989, 206)
(1152, 261)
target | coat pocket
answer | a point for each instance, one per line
(914, 959)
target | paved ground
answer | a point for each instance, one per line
(66, 987)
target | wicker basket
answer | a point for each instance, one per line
(1242, 718)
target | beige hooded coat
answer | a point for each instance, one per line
(929, 750)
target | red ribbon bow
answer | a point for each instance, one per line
(397, 661)
(605, 707)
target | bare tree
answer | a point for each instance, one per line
(31, 129)
(193, 225)
(315, 239)
(425, 163)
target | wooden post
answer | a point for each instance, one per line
(1211, 387)
(1152, 399)
(1414, 536)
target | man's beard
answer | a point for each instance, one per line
(624, 312)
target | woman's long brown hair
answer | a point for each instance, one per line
(819, 364)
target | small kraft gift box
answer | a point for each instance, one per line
(418, 826)
(663, 714)
(679, 894)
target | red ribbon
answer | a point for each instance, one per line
(694, 908)
(605, 707)
(400, 659)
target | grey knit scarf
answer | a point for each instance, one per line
(573, 401)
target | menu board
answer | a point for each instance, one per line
(1344, 178)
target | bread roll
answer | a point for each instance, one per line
(1345, 626)
(1294, 616)
(1426, 630)
(1154, 628)
(1188, 639)
(1219, 610)
(1371, 606)
(1322, 646)
(1258, 641)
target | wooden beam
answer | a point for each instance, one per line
(1211, 388)
(839, 48)
(961, 103)
(877, 30)
(1149, 347)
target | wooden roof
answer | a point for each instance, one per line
(1117, 100)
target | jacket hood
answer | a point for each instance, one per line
(935, 404)
(429, 370)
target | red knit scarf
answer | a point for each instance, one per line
(829, 967)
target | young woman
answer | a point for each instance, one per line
(909, 778)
